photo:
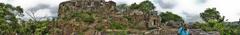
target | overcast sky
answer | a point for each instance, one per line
(188, 9)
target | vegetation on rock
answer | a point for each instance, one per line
(169, 16)
(104, 18)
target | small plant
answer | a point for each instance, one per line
(86, 17)
(116, 25)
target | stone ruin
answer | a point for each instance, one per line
(106, 12)
(86, 5)
(107, 9)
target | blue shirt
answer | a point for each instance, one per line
(181, 31)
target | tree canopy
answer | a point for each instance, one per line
(134, 6)
(211, 13)
(12, 25)
(8, 12)
(8, 21)
(169, 16)
(122, 7)
(215, 22)
(146, 6)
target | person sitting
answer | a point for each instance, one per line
(183, 31)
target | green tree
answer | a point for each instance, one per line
(211, 13)
(215, 22)
(122, 7)
(8, 21)
(168, 16)
(12, 25)
(134, 6)
(147, 6)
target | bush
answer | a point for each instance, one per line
(213, 25)
(86, 17)
(116, 25)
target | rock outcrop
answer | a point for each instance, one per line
(98, 17)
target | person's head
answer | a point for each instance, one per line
(186, 25)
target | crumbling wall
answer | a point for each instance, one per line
(104, 14)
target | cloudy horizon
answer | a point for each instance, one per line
(188, 9)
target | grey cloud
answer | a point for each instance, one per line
(201, 1)
(53, 10)
(191, 17)
(165, 5)
(38, 7)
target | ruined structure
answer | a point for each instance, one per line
(101, 17)
(86, 5)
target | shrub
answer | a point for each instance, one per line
(86, 17)
(116, 25)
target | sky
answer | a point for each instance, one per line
(188, 9)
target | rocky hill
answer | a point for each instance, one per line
(98, 17)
